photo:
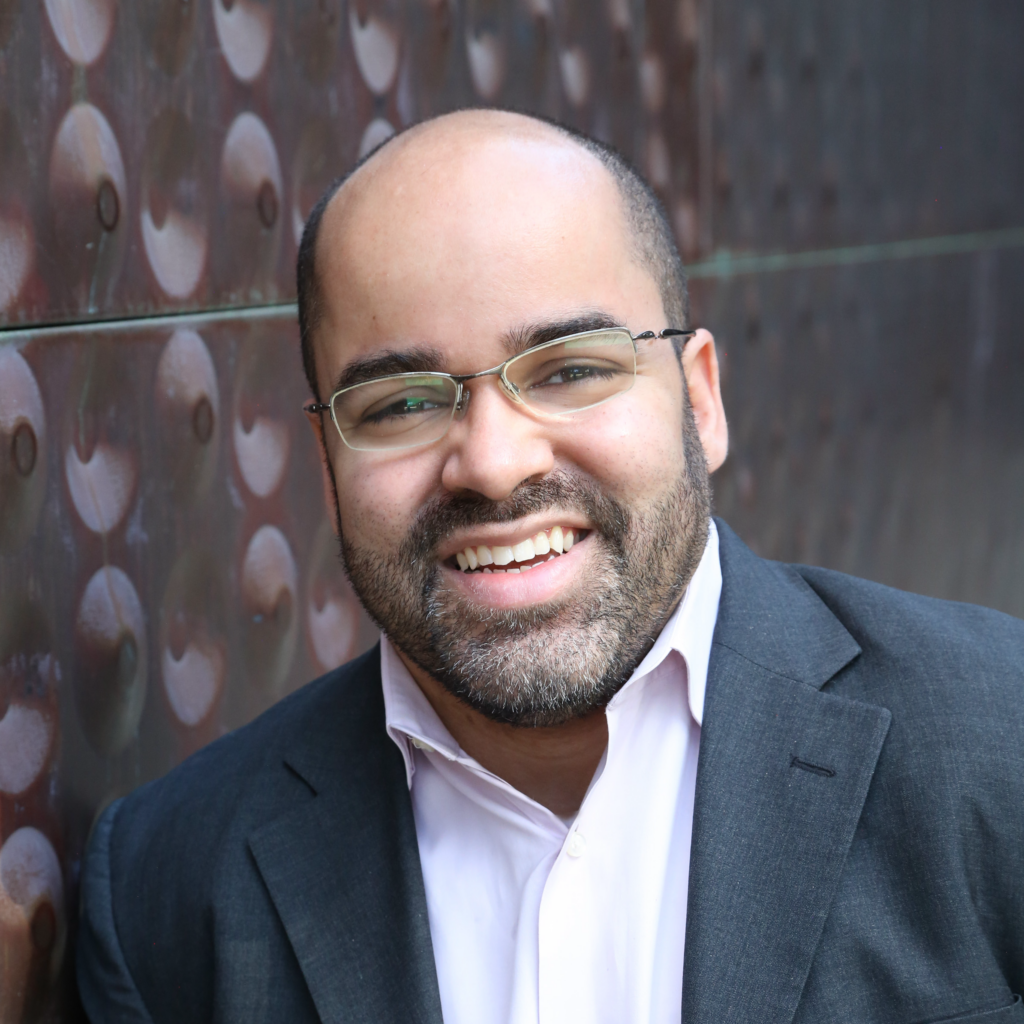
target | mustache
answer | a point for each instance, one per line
(443, 515)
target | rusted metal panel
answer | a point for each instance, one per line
(168, 567)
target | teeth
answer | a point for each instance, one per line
(502, 555)
(523, 551)
(552, 543)
(523, 568)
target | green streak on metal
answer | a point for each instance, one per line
(196, 318)
(725, 264)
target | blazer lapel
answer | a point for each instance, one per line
(343, 870)
(782, 776)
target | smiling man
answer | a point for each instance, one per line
(606, 765)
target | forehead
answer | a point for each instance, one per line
(455, 240)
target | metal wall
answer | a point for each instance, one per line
(166, 566)
(167, 569)
(876, 386)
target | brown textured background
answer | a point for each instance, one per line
(846, 180)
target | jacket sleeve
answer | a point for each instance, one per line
(105, 984)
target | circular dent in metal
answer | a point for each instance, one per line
(173, 213)
(193, 649)
(262, 438)
(252, 186)
(22, 448)
(269, 583)
(376, 42)
(203, 420)
(102, 486)
(17, 234)
(332, 611)
(250, 171)
(266, 204)
(245, 30)
(262, 452)
(100, 436)
(377, 131)
(110, 647)
(486, 54)
(575, 68)
(32, 923)
(653, 87)
(188, 401)
(659, 163)
(167, 27)
(82, 27)
(29, 688)
(108, 206)
(88, 189)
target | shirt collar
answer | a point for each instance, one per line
(411, 721)
(690, 629)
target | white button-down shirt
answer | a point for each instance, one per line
(538, 921)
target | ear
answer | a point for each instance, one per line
(316, 422)
(700, 368)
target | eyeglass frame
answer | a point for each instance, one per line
(510, 389)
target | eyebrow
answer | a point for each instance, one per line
(383, 364)
(431, 360)
(520, 339)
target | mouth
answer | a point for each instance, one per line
(543, 547)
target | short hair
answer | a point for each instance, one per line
(654, 247)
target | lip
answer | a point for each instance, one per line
(511, 534)
(539, 585)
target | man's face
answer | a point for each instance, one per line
(449, 251)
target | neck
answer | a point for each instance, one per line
(551, 764)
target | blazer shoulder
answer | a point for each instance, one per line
(877, 614)
(946, 656)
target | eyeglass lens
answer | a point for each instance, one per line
(560, 377)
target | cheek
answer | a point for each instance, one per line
(635, 449)
(379, 498)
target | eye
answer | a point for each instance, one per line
(402, 406)
(574, 373)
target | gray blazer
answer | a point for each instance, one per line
(858, 835)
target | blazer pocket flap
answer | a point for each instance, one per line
(1012, 1014)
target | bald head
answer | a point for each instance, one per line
(475, 189)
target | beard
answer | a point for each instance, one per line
(545, 664)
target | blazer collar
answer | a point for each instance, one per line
(342, 863)
(783, 772)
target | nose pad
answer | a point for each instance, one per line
(462, 401)
(510, 389)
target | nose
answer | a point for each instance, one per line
(495, 446)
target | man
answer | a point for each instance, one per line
(500, 814)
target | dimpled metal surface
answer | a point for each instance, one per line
(167, 569)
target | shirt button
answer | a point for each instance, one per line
(420, 745)
(576, 845)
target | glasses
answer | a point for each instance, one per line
(568, 375)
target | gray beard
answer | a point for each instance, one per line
(546, 664)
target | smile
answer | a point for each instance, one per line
(544, 546)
